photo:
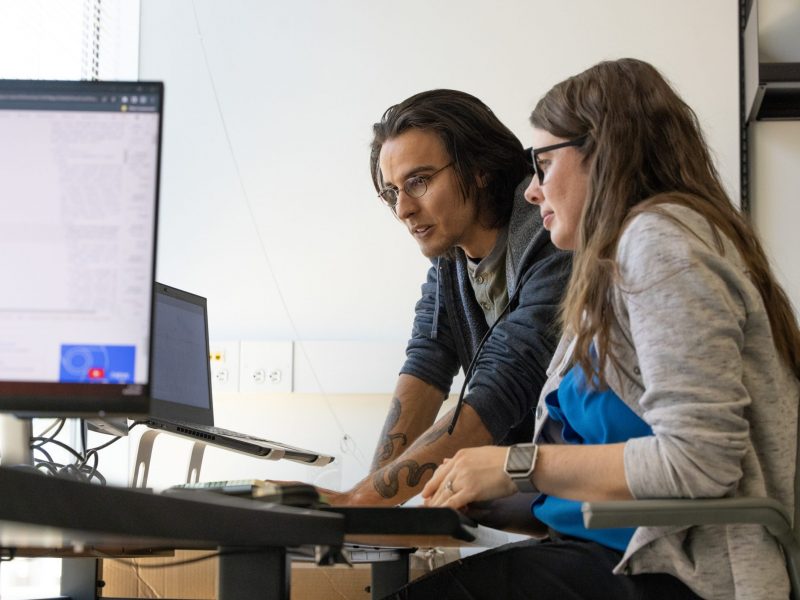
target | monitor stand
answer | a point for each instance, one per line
(15, 441)
(109, 425)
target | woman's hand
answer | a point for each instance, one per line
(473, 474)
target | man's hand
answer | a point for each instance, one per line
(404, 477)
(333, 497)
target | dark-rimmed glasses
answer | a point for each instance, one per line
(535, 152)
(415, 186)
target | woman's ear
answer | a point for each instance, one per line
(482, 179)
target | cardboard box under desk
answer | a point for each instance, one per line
(146, 578)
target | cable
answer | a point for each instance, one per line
(45, 452)
(90, 472)
(85, 466)
(55, 422)
(347, 440)
(44, 440)
(82, 427)
(47, 466)
(63, 446)
(106, 445)
(471, 368)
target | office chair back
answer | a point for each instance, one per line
(797, 482)
(783, 524)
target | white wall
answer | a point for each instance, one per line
(775, 198)
(267, 206)
(775, 153)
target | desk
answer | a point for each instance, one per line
(57, 517)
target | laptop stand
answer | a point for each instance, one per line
(144, 454)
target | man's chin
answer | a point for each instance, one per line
(434, 247)
(431, 251)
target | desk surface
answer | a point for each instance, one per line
(40, 511)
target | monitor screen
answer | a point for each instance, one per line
(79, 170)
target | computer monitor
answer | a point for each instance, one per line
(79, 170)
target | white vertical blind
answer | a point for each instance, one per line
(69, 39)
(62, 39)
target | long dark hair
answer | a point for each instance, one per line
(644, 148)
(478, 144)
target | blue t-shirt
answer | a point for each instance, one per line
(588, 416)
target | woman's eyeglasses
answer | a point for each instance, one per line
(535, 152)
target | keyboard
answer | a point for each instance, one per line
(289, 493)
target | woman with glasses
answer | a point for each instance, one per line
(677, 375)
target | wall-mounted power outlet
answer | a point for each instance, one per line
(224, 359)
(265, 367)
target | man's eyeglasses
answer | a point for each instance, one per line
(538, 169)
(415, 186)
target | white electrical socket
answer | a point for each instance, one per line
(224, 358)
(265, 366)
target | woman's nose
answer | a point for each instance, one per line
(533, 193)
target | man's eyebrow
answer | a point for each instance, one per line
(411, 173)
(417, 170)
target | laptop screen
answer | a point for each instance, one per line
(181, 381)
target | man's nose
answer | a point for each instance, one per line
(406, 205)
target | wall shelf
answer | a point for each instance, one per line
(777, 96)
(769, 91)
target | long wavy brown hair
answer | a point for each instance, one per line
(644, 148)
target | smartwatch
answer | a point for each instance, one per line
(520, 463)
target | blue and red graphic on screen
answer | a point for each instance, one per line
(82, 363)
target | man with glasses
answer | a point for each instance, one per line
(453, 175)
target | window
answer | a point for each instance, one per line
(62, 39)
(69, 39)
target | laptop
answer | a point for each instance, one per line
(181, 399)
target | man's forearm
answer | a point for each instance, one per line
(412, 411)
(405, 476)
(391, 443)
(407, 467)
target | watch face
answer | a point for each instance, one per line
(520, 458)
(520, 462)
